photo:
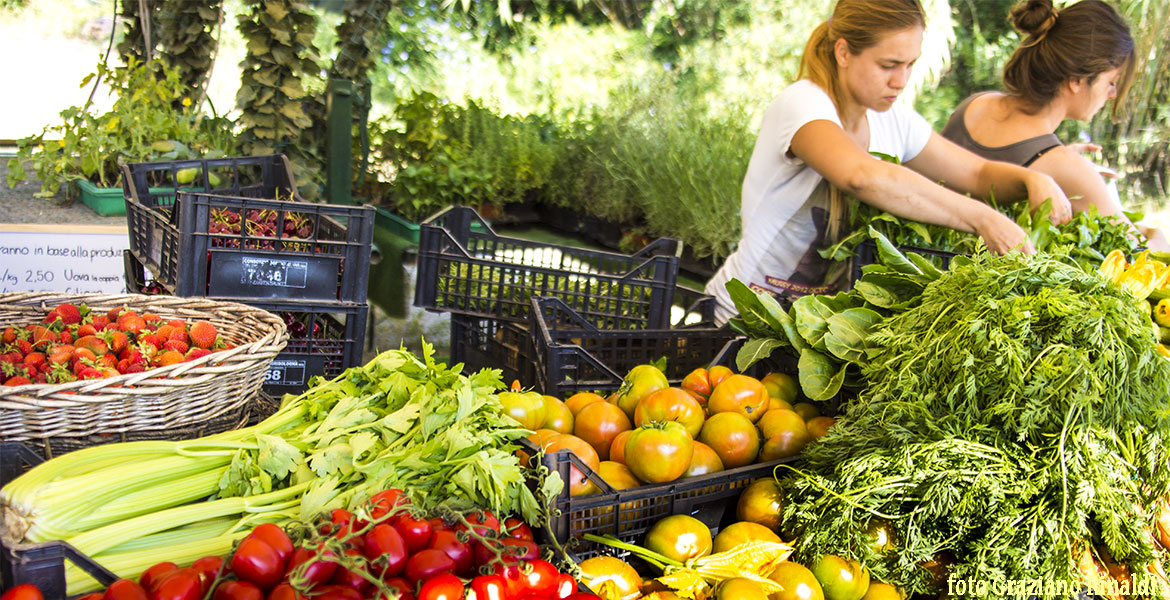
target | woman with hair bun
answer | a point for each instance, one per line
(1071, 62)
(820, 136)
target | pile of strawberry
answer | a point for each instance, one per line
(384, 550)
(72, 342)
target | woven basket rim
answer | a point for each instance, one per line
(271, 342)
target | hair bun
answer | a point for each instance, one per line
(1034, 17)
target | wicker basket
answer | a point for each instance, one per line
(178, 396)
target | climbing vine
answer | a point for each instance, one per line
(187, 35)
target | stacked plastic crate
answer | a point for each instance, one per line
(236, 228)
(487, 282)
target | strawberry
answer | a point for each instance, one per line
(84, 330)
(176, 345)
(177, 324)
(24, 346)
(9, 335)
(152, 340)
(114, 313)
(116, 340)
(70, 314)
(169, 357)
(203, 334)
(52, 316)
(135, 367)
(197, 352)
(34, 359)
(17, 380)
(65, 337)
(89, 373)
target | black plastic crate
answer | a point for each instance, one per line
(205, 244)
(41, 564)
(628, 514)
(475, 272)
(574, 355)
(156, 184)
(481, 343)
(866, 254)
(324, 339)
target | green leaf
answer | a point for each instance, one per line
(753, 351)
(812, 319)
(928, 268)
(889, 255)
(848, 331)
(820, 377)
(277, 456)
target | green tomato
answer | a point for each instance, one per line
(526, 408)
(840, 578)
(639, 383)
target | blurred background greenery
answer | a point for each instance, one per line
(639, 112)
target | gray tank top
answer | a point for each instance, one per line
(1023, 152)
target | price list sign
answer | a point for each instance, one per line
(72, 259)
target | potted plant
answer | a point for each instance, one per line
(152, 119)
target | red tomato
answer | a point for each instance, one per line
(383, 502)
(181, 584)
(428, 563)
(274, 536)
(353, 576)
(256, 562)
(583, 596)
(150, 577)
(460, 552)
(125, 589)
(518, 529)
(490, 587)
(89, 596)
(415, 532)
(306, 570)
(659, 452)
(482, 522)
(336, 592)
(24, 591)
(442, 587)
(284, 591)
(566, 586)
(671, 404)
(208, 569)
(513, 580)
(385, 550)
(398, 588)
(523, 550)
(539, 577)
(239, 590)
(343, 523)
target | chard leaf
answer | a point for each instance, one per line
(751, 308)
(820, 377)
(755, 350)
(876, 294)
(928, 268)
(889, 255)
(812, 319)
(848, 331)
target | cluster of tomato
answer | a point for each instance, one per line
(382, 551)
(72, 342)
(650, 432)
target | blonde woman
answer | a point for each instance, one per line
(821, 131)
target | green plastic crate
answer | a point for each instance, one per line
(107, 202)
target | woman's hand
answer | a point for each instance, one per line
(1001, 234)
(1042, 187)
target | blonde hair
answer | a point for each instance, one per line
(861, 23)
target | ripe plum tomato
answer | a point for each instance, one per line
(399, 586)
(733, 437)
(336, 592)
(314, 571)
(514, 527)
(578, 483)
(150, 577)
(428, 563)
(639, 383)
(539, 577)
(680, 537)
(180, 584)
(385, 551)
(671, 404)
(740, 394)
(124, 589)
(284, 591)
(596, 571)
(354, 575)
(704, 461)
(442, 587)
(237, 590)
(385, 501)
(566, 586)
(659, 452)
(580, 400)
(482, 522)
(598, 424)
(460, 552)
(255, 561)
(24, 591)
(761, 503)
(741, 532)
(490, 587)
(416, 533)
(274, 536)
(557, 416)
(208, 569)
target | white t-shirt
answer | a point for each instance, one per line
(784, 203)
